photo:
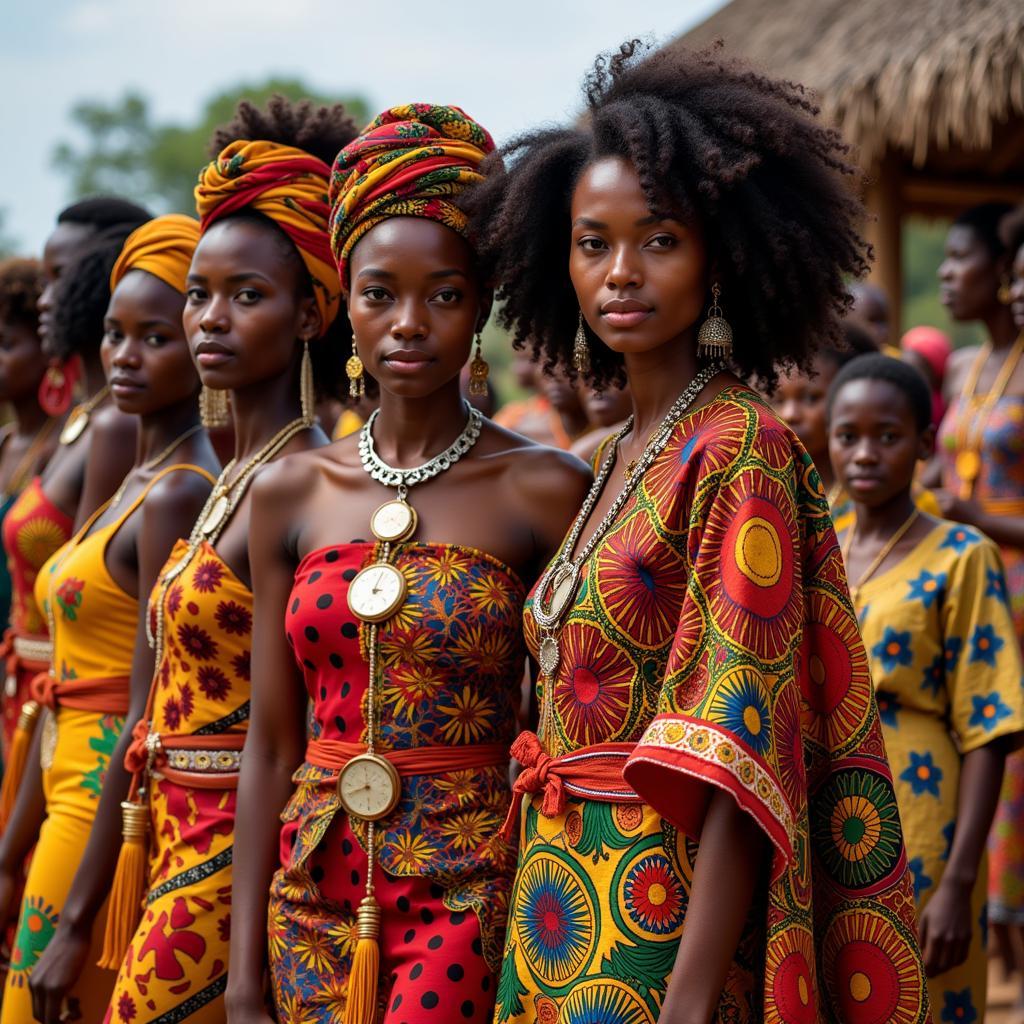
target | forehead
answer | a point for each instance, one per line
(962, 237)
(64, 240)
(140, 295)
(233, 246)
(612, 184)
(879, 399)
(411, 245)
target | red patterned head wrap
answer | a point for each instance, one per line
(287, 185)
(163, 247)
(411, 161)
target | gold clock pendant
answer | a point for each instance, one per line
(369, 787)
(377, 592)
(393, 521)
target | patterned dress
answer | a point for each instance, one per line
(452, 665)
(33, 529)
(95, 624)
(947, 675)
(175, 968)
(712, 636)
(1000, 489)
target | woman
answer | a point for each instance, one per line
(77, 259)
(928, 349)
(412, 917)
(709, 747)
(29, 439)
(982, 478)
(606, 410)
(931, 600)
(261, 293)
(89, 591)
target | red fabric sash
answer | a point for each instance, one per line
(13, 661)
(335, 754)
(137, 757)
(594, 773)
(107, 695)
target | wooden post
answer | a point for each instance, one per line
(884, 231)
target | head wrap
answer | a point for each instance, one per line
(287, 185)
(932, 345)
(163, 247)
(411, 161)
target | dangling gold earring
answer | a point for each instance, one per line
(580, 349)
(213, 407)
(714, 340)
(307, 394)
(1004, 294)
(354, 372)
(479, 371)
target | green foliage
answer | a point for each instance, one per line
(124, 152)
(923, 244)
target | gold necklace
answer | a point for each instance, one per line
(882, 555)
(971, 431)
(79, 418)
(16, 481)
(153, 462)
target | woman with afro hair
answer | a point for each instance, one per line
(708, 828)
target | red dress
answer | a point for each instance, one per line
(451, 666)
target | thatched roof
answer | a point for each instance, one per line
(910, 75)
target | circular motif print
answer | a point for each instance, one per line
(554, 918)
(789, 980)
(604, 1001)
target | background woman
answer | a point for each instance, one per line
(435, 686)
(931, 599)
(982, 476)
(262, 300)
(90, 591)
(706, 714)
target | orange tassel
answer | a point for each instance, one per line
(129, 887)
(14, 771)
(361, 1007)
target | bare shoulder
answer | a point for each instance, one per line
(179, 489)
(108, 425)
(960, 361)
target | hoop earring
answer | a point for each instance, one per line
(1004, 294)
(213, 407)
(714, 340)
(580, 348)
(307, 393)
(354, 372)
(479, 371)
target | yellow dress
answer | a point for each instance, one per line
(947, 675)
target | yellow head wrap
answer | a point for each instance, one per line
(163, 247)
(287, 185)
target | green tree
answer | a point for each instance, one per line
(125, 153)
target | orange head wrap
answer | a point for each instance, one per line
(287, 185)
(163, 247)
(410, 161)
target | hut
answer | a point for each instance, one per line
(930, 93)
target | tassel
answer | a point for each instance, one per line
(14, 770)
(129, 886)
(361, 1007)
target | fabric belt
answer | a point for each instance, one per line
(202, 762)
(432, 760)
(107, 695)
(593, 773)
(30, 652)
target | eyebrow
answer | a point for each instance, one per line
(245, 275)
(158, 322)
(589, 222)
(380, 272)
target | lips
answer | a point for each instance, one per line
(407, 360)
(126, 383)
(625, 312)
(212, 353)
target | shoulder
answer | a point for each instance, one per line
(108, 424)
(292, 476)
(959, 365)
(178, 491)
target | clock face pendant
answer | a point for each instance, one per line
(393, 521)
(548, 656)
(216, 515)
(369, 787)
(377, 592)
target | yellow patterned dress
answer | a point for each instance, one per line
(947, 675)
(712, 644)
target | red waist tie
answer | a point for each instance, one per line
(107, 695)
(335, 754)
(13, 660)
(594, 773)
(137, 757)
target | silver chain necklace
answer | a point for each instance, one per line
(557, 589)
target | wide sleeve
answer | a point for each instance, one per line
(728, 711)
(983, 664)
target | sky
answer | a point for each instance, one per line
(511, 65)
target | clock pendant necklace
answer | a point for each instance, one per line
(557, 589)
(368, 785)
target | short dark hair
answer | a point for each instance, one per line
(101, 212)
(713, 141)
(899, 374)
(1011, 231)
(984, 220)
